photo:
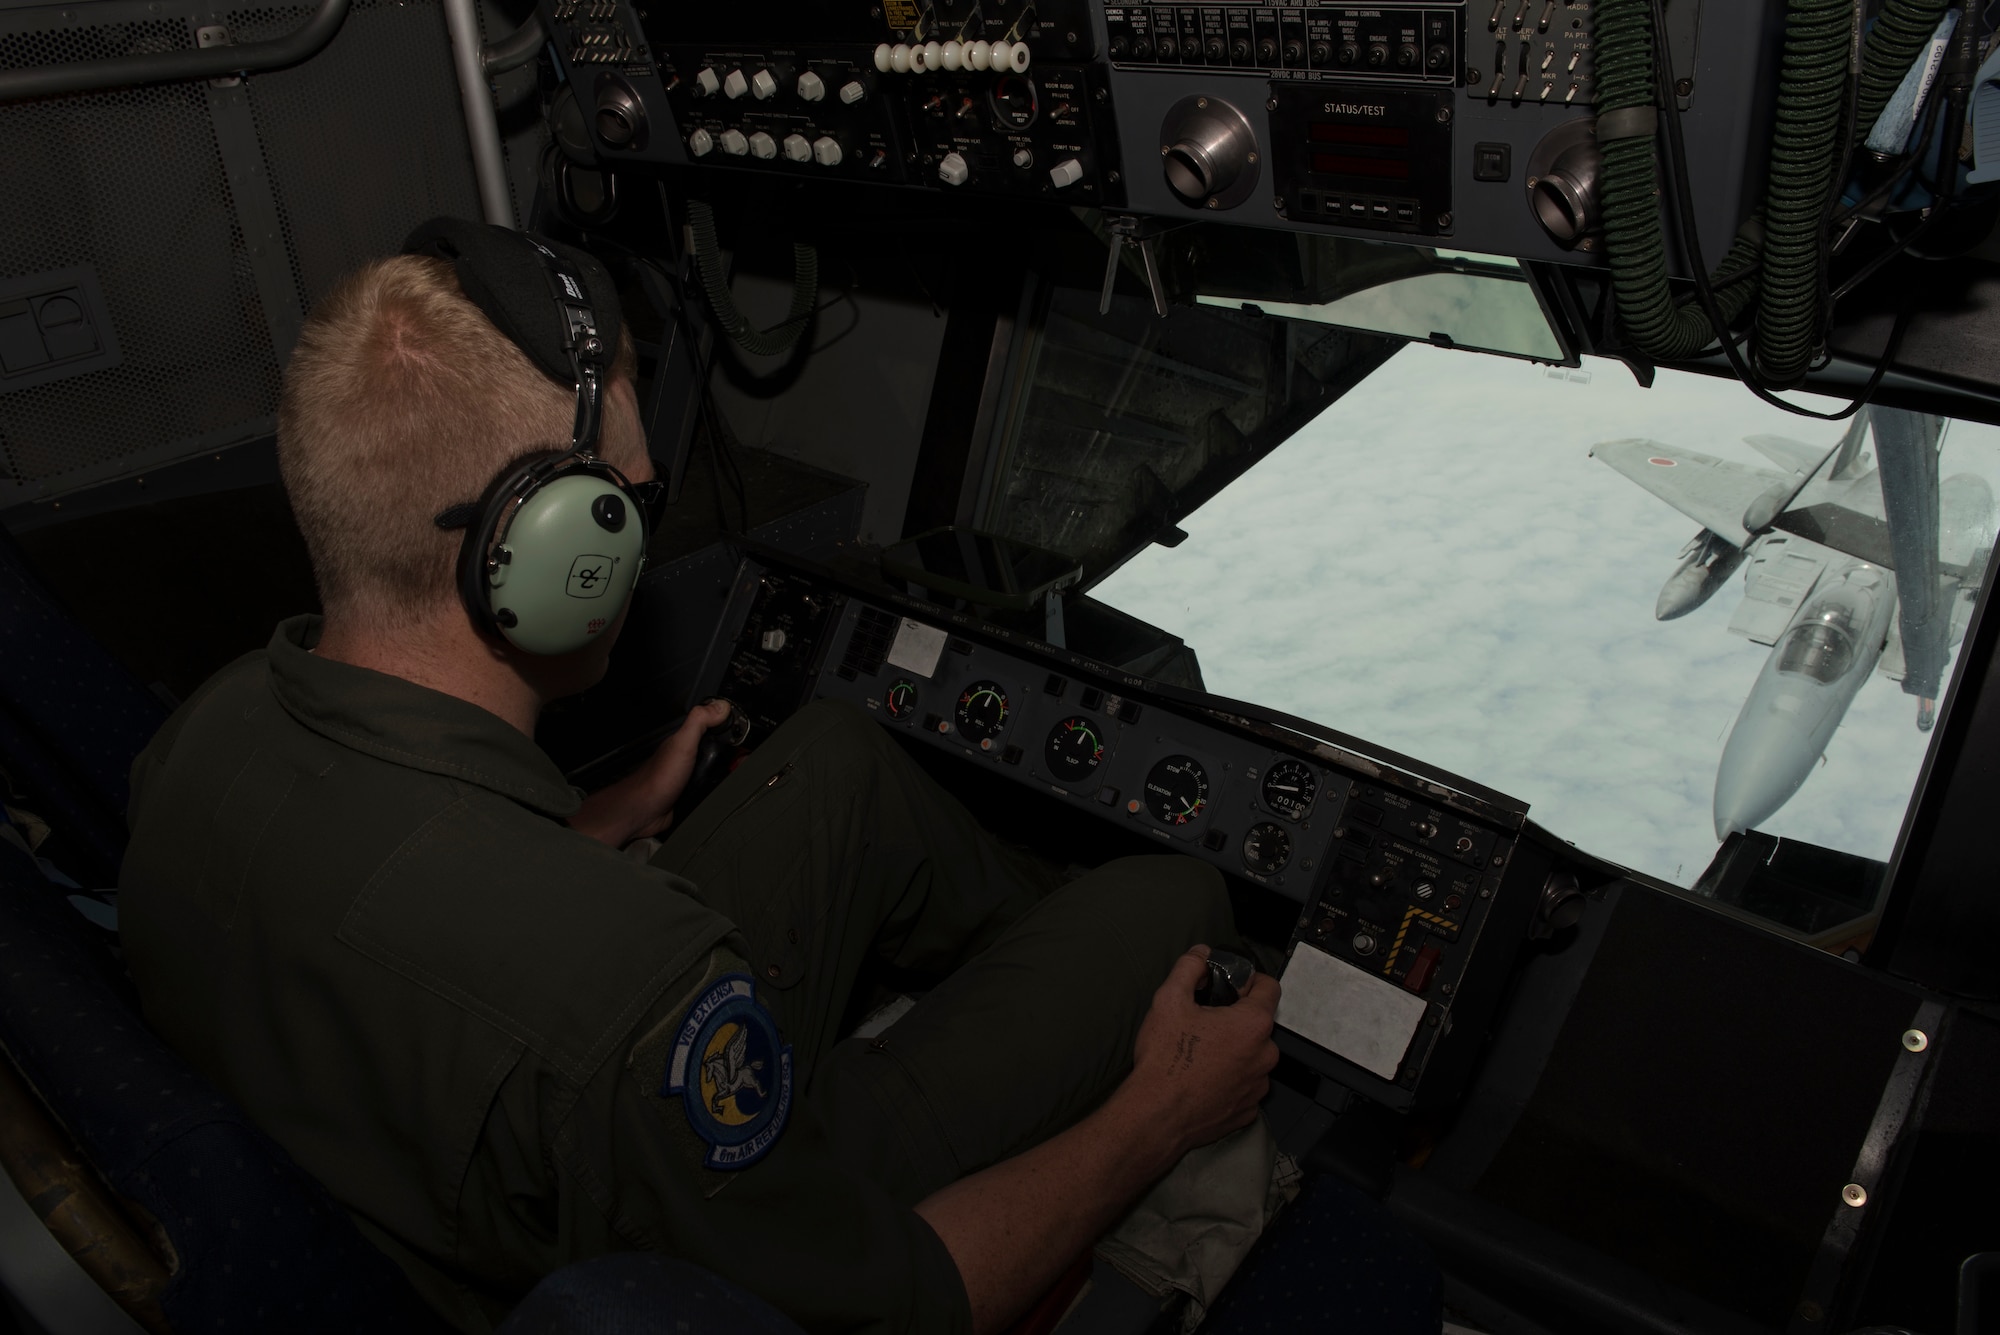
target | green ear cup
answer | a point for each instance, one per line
(567, 564)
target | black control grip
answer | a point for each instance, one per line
(1227, 978)
(711, 759)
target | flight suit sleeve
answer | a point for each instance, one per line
(698, 1141)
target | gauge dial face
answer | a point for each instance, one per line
(1177, 790)
(1074, 749)
(1289, 789)
(1266, 849)
(901, 698)
(982, 711)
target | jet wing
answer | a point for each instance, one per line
(1795, 456)
(1712, 492)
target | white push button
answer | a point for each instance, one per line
(700, 142)
(1066, 173)
(797, 148)
(1025, 158)
(853, 91)
(733, 143)
(764, 84)
(763, 146)
(811, 87)
(953, 171)
(706, 81)
(883, 53)
(826, 151)
(735, 85)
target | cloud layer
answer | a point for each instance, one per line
(1436, 564)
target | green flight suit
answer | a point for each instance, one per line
(352, 903)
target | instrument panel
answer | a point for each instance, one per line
(1411, 895)
(1252, 811)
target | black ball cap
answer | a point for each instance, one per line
(609, 512)
(506, 277)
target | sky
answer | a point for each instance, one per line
(1437, 565)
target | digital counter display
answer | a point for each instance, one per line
(1375, 152)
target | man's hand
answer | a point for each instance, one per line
(1198, 1074)
(642, 803)
(1203, 1069)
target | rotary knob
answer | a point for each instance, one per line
(953, 171)
(733, 143)
(734, 85)
(853, 91)
(700, 143)
(1066, 173)
(811, 87)
(706, 82)
(764, 84)
(763, 146)
(826, 151)
(798, 148)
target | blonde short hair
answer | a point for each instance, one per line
(401, 400)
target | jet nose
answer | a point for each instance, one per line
(1763, 764)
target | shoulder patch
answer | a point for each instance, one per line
(732, 1073)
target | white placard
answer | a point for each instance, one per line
(1366, 1019)
(917, 648)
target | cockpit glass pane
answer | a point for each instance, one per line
(1557, 583)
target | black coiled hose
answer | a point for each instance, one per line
(779, 338)
(1807, 155)
(1629, 184)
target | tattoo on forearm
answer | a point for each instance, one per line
(1184, 1048)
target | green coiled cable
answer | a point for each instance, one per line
(1629, 186)
(1901, 31)
(779, 338)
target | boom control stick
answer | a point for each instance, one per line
(1228, 977)
(713, 759)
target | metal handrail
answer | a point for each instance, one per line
(214, 62)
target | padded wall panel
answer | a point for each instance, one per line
(157, 191)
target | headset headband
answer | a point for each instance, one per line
(512, 277)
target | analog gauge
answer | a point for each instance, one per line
(1177, 789)
(1266, 849)
(901, 698)
(1074, 749)
(1289, 789)
(982, 711)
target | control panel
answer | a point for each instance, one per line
(982, 99)
(1383, 42)
(1412, 895)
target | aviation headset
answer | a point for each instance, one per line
(552, 549)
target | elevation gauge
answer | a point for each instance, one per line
(901, 698)
(1177, 790)
(1074, 749)
(1289, 789)
(982, 711)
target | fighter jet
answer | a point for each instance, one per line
(1848, 569)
